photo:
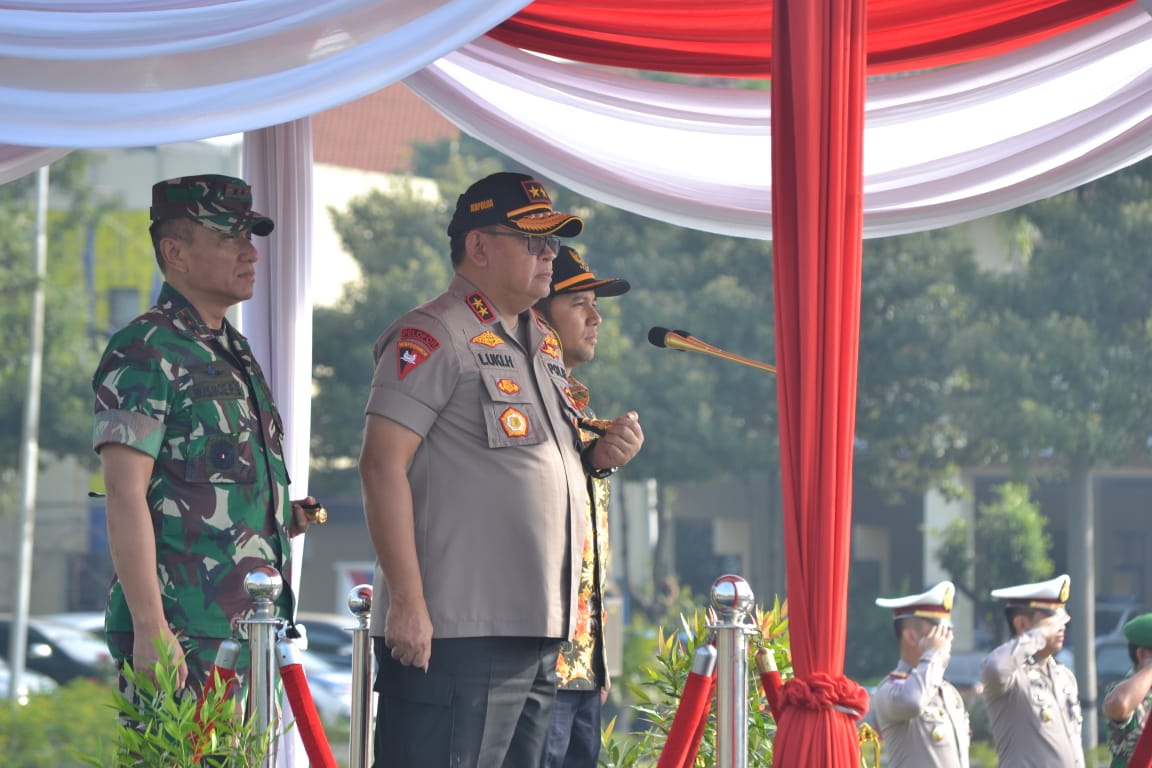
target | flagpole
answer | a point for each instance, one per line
(30, 448)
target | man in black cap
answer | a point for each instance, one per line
(472, 471)
(574, 738)
(1128, 701)
(190, 441)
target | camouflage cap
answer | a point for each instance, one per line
(513, 200)
(220, 203)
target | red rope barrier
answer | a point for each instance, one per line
(303, 708)
(223, 672)
(770, 679)
(701, 723)
(687, 725)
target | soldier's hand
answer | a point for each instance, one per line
(938, 638)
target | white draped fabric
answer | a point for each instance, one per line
(941, 147)
(278, 318)
(125, 73)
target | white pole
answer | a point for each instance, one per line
(30, 441)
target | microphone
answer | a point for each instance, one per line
(662, 337)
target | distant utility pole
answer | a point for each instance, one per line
(30, 447)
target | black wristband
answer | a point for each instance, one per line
(586, 462)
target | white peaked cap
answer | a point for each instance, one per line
(936, 603)
(1046, 595)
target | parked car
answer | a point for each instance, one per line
(329, 636)
(330, 685)
(1112, 616)
(61, 651)
(32, 683)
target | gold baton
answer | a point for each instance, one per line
(316, 513)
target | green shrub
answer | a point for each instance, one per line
(69, 727)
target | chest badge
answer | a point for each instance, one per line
(514, 423)
(488, 339)
(507, 386)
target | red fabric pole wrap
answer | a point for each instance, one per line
(818, 93)
(693, 709)
(311, 731)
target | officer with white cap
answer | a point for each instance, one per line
(920, 715)
(1033, 700)
(1128, 701)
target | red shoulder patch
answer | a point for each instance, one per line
(420, 335)
(409, 355)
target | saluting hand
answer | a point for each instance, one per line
(938, 639)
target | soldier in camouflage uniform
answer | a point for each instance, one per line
(190, 441)
(1128, 701)
(574, 738)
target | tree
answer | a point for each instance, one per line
(65, 421)
(1006, 544)
(917, 294)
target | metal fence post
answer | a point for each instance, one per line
(263, 585)
(360, 731)
(733, 602)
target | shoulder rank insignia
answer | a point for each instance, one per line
(414, 347)
(479, 306)
(898, 675)
(507, 386)
(551, 346)
(514, 423)
(488, 339)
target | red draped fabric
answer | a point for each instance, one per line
(732, 38)
(818, 94)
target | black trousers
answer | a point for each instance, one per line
(484, 702)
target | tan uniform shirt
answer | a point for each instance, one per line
(1033, 706)
(921, 717)
(498, 492)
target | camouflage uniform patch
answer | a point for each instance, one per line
(218, 496)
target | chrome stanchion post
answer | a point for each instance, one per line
(732, 600)
(263, 585)
(360, 735)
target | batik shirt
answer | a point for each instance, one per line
(581, 664)
(1122, 736)
(196, 401)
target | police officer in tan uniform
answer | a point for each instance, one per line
(473, 473)
(1033, 700)
(920, 715)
